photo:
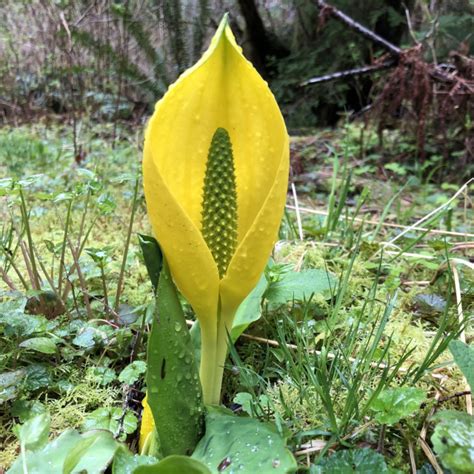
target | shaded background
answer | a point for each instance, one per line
(111, 60)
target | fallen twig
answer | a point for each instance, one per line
(386, 224)
(358, 71)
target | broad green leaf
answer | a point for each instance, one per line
(250, 406)
(249, 310)
(27, 409)
(242, 444)
(102, 375)
(9, 384)
(37, 376)
(132, 372)
(464, 357)
(353, 461)
(394, 404)
(152, 255)
(33, 434)
(173, 388)
(92, 454)
(300, 286)
(18, 324)
(174, 464)
(125, 462)
(50, 458)
(453, 441)
(113, 420)
(45, 345)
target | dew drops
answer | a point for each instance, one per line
(177, 327)
(276, 463)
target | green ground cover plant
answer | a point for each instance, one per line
(351, 340)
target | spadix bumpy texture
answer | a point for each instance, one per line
(219, 205)
(219, 116)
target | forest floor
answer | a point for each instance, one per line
(371, 279)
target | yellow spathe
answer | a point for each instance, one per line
(147, 425)
(221, 90)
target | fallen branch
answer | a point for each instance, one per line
(347, 20)
(358, 71)
(436, 72)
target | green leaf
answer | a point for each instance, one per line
(52, 456)
(242, 444)
(45, 345)
(126, 462)
(249, 310)
(37, 376)
(394, 404)
(113, 420)
(360, 461)
(300, 286)
(33, 434)
(464, 357)
(92, 454)
(27, 409)
(9, 384)
(18, 324)
(453, 441)
(132, 372)
(250, 406)
(102, 375)
(175, 464)
(152, 256)
(173, 388)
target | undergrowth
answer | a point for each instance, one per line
(75, 299)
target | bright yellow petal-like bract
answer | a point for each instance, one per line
(147, 425)
(222, 90)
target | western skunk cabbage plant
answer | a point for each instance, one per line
(215, 171)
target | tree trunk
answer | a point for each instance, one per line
(263, 44)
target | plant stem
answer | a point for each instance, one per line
(214, 346)
(63, 248)
(127, 245)
(208, 363)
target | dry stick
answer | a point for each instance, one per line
(436, 73)
(385, 224)
(429, 454)
(297, 209)
(358, 71)
(464, 246)
(432, 213)
(329, 355)
(422, 440)
(347, 20)
(410, 255)
(462, 336)
(411, 453)
(313, 446)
